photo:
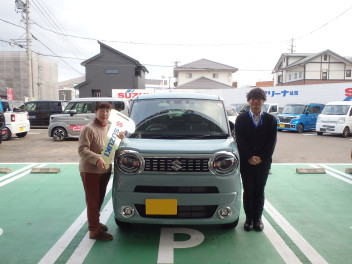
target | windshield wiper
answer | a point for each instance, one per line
(217, 136)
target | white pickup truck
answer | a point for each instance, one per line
(16, 119)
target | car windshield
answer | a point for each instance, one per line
(179, 118)
(265, 107)
(294, 109)
(15, 106)
(335, 110)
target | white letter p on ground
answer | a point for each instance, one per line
(167, 243)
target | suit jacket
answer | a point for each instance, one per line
(255, 141)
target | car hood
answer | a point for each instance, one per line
(168, 146)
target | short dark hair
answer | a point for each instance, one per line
(256, 93)
(105, 105)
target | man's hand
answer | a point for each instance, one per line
(100, 163)
(255, 160)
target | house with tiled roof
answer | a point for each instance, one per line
(312, 68)
(204, 83)
(203, 70)
(109, 70)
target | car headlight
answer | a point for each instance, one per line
(223, 163)
(341, 120)
(130, 162)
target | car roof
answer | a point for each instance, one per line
(177, 95)
(36, 101)
(340, 103)
(97, 99)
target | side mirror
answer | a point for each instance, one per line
(73, 112)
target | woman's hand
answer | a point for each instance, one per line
(101, 163)
(121, 135)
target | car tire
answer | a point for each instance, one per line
(59, 134)
(122, 224)
(300, 128)
(8, 135)
(20, 135)
(319, 133)
(230, 225)
(346, 132)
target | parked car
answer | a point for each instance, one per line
(180, 166)
(231, 114)
(336, 118)
(78, 113)
(2, 121)
(40, 111)
(299, 117)
(16, 119)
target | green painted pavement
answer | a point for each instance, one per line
(37, 209)
(318, 206)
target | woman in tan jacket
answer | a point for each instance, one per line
(94, 172)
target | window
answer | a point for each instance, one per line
(348, 73)
(215, 75)
(83, 107)
(96, 93)
(295, 75)
(279, 79)
(300, 75)
(289, 77)
(324, 75)
(325, 57)
(189, 75)
(111, 71)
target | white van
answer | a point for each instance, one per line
(336, 118)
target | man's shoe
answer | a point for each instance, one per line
(101, 235)
(248, 225)
(103, 227)
(258, 225)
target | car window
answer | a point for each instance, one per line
(6, 106)
(31, 106)
(56, 106)
(43, 106)
(83, 107)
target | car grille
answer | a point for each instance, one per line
(176, 189)
(176, 165)
(183, 212)
(285, 119)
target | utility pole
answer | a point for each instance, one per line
(292, 46)
(29, 53)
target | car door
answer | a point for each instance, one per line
(80, 115)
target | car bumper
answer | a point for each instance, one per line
(192, 208)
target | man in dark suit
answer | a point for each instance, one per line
(255, 132)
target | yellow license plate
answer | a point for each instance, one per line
(21, 129)
(161, 206)
(281, 125)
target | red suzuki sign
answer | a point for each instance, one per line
(9, 93)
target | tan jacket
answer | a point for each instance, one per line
(91, 143)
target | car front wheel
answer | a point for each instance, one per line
(346, 132)
(300, 128)
(59, 134)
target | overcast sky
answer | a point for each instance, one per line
(250, 35)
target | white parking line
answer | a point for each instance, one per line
(56, 250)
(86, 244)
(313, 256)
(19, 176)
(334, 175)
(336, 171)
(279, 244)
(16, 172)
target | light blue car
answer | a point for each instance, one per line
(180, 166)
